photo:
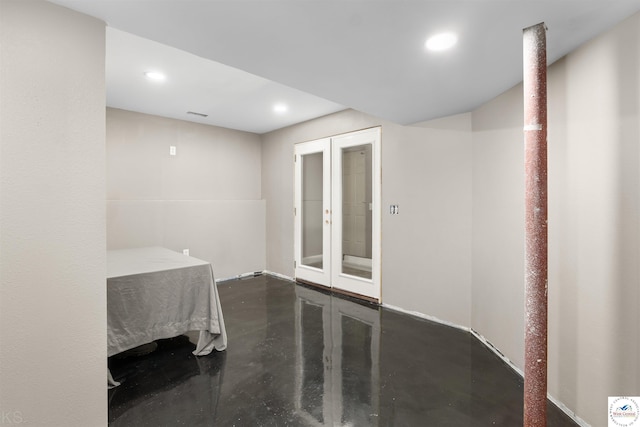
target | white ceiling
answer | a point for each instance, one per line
(229, 97)
(363, 54)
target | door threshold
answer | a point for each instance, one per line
(339, 292)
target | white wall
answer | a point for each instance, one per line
(456, 249)
(53, 355)
(594, 237)
(426, 250)
(444, 176)
(207, 198)
(498, 224)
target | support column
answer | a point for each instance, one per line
(536, 277)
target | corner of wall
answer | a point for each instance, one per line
(52, 217)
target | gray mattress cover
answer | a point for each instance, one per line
(155, 293)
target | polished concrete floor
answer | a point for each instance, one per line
(300, 357)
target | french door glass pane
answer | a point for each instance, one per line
(357, 211)
(312, 210)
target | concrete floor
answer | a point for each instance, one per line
(301, 357)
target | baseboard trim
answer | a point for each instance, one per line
(279, 276)
(569, 412)
(494, 349)
(505, 359)
(426, 317)
(240, 276)
(254, 274)
(497, 352)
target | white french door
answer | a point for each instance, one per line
(312, 211)
(337, 212)
(355, 202)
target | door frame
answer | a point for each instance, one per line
(321, 276)
(331, 273)
(370, 288)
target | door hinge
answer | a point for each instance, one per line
(294, 264)
(295, 212)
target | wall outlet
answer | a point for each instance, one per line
(394, 209)
(185, 252)
(172, 150)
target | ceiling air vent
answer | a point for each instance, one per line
(197, 114)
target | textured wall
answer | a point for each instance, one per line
(594, 237)
(207, 198)
(426, 250)
(53, 355)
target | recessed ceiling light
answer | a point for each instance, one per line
(155, 76)
(442, 41)
(280, 108)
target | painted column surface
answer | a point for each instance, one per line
(536, 276)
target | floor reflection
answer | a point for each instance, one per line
(301, 357)
(158, 380)
(337, 353)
